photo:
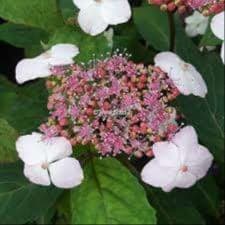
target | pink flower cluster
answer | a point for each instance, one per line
(116, 105)
(207, 7)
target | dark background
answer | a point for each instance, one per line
(9, 57)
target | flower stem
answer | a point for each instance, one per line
(172, 31)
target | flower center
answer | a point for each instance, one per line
(98, 1)
(184, 169)
(44, 165)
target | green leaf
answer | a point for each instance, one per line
(206, 114)
(21, 36)
(23, 107)
(90, 47)
(209, 39)
(110, 195)
(36, 13)
(126, 37)
(68, 9)
(153, 25)
(174, 207)
(8, 137)
(205, 196)
(21, 201)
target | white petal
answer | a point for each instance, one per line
(185, 180)
(222, 52)
(167, 61)
(171, 64)
(184, 76)
(91, 20)
(156, 175)
(199, 162)
(186, 141)
(196, 24)
(191, 31)
(82, 4)
(116, 11)
(30, 69)
(31, 149)
(169, 187)
(193, 80)
(63, 54)
(217, 25)
(66, 173)
(167, 154)
(36, 174)
(57, 148)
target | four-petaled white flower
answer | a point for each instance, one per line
(196, 24)
(40, 66)
(179, 163)
(184, 75)
(217, 26)
(96, 15)
(48, 161)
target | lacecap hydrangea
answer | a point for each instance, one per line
(113, 104)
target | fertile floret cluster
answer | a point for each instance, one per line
(206, 7)
(116, 105)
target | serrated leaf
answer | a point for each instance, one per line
(36, 13)
(21, 201)
(206, 114)
(8, 137)
(153, 25)
(110, 194)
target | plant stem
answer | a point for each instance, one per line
(172, 31)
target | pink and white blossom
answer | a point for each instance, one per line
(184, 75)
(40, 66)
(178, 163)
(47, 161)
(96, 15)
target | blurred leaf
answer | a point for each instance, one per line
(153, 24)
(36, 13)
(21, 201)
(33, 51)
(8, 137)
(23, 107)
(21, 36)
(205, 196)
(174, 208)
(206, 114)
(68, 9)
(90, 47)
(47, 217)
(110, 195)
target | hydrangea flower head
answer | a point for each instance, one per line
(206, 7)
(116, 105)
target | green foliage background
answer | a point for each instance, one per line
(112, 192)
